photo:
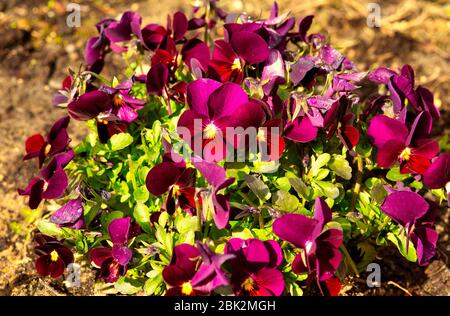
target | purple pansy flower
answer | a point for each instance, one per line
(214, 107)
(320, 247)
(113, 261)
(51, 183)
(97, 47)
(57, 141)
(70, 215)
(175, 178)
(254, 268)
(216, 177)
(194, 272)
(124, 106)
(54, 257)
(412, 211)
(121, 31)
(412, 149)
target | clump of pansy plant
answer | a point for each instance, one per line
(234, 156)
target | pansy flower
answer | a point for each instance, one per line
(51, 182)
(175, 178)
(229, 58)
(66, 94)
(97, 105)
(319, 244)
(438, 174)
(56, 141)
(412, 149)
(113, 261)
(124, 106)
(213, 108)
(97, 47)
(122, 31)
(194, 271)
(412, 211)
(70, 215)
(216, 177)
(53, 258)
(254, 269)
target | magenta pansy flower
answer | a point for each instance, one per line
(113, 261)
(254, 268)
(395, 143)
(412, 211)
(320, 247)
(70, 215)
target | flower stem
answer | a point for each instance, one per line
(349, 259)
(358, 183)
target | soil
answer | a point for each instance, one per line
(37, 47)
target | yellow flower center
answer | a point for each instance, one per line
(175, 189)
(261, 135)
(54, 256)
(186, 288)
(47, 149)
(236, 64)
(248, 285)
(405, 154)
(209, 132)
(118, 100)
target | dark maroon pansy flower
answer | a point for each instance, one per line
(216, 177)
(57, 141)
(412, 149)
(213, 108)
(175, 178)
(66, 94)
(53, 258)
(51, 183)
(99, 105)
(254, 269)
(413, 212)
(70, 215)
(230, 58)
(113, 261)
(320, 247)
(124, 106)
(194, 272)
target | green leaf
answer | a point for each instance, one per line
(283, 184)
(127, 286)
(48, 228)
(400, 242)
(265, 166)
(141, 194)
(258, 187)
(318, 163)
(341, 167)
(142, 216)
(285, 201)
(186, 224)
(322, 174)
(120, 141)
(152, 284)
(328, 189)
(300, 187)
(395, 175)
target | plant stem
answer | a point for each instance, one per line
(261, 220)
(349, 259)
(358, 182)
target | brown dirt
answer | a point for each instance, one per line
(36, 48)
